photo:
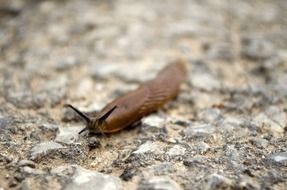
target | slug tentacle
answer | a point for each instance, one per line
(85, 129)
(92, 123)
(79, 112)
(103, 118)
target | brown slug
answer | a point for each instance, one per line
(132, 106)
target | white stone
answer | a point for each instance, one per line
(199, 130)
(159, 183)
(153, 121)
(68, 135)
(204, 81)
(176, 150)
(87, 179)
(279, 157)
(43, 148)
(148, 147)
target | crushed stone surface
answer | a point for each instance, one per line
(226, 129)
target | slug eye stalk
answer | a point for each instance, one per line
(84, 116)
(103, 118)
(91, 123)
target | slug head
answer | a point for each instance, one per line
(93, 124)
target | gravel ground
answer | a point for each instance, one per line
(226, 129)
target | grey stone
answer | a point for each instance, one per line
(180, 121)
(220, 51)
(273, 120)
(72, 152)
(84, 87)
(94, 142)
(277, 115)
(43, 148)
(278, 85)
(259, 142)
(204, 81)
(119, 70)
(25, 96)
(43, 182)
(158, 183)
(230, 124)
(199, 130)
(182, 29)
(54, 90)
(150, 69)
(279, 157)
(257, 49)
(101, 72)
(176, 150)
(148, 147)
(194, 161)
(5, 158)
(273, 62)
(68, 135)
(54, 96)
(247, 182)
(64, 170)
(218, 181)
(234, 155)
(234, 121)
(26, 99)
(128, 174)
(153, 121)
(4, 123)
(66, 63)
(87, 179)
(210, 115)
(202, 147)
(33, 171)
(29, 163)
(49, 127)
(163, 168)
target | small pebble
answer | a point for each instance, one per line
(158, 183)
(43, 148)
(29, 163)
(204, 81)
(209, 115)
(153, 121)
(217, 181)
(87, 180)
(68, 135)
(148, 147)
(94, 142)
(163, 168)
(176, 150)
(257, 49)
(199, 130)
(279, 157)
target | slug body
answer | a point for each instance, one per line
(147, 98)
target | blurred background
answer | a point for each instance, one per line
(46, 45)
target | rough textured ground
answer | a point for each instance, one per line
(226, 129)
